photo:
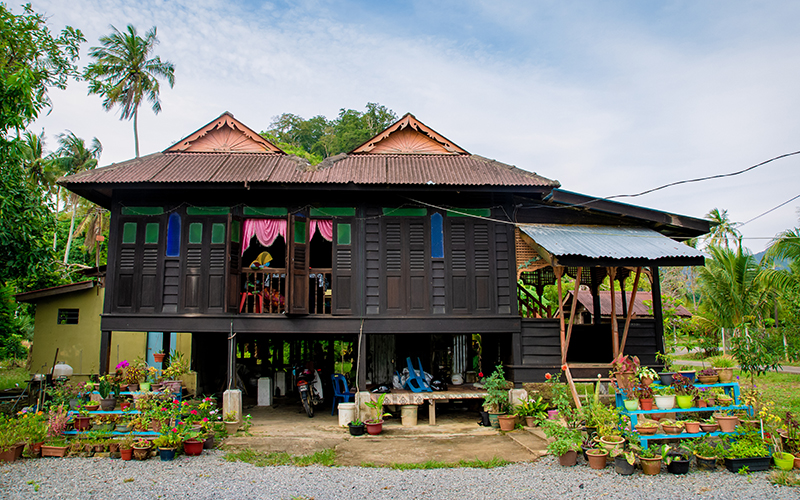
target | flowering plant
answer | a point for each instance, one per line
(683, 386)
(32, 426)
(152, 374)
(57, 419)
(134, 372)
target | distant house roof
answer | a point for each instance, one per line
(640, 309)
(36, 295)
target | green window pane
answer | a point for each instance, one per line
(208, 210)
(299, 231)
(405, 212)
(151, 232)
(343, 234)
(129, 232)
(266, 211)
(196, 232)
(333, 212)
(217, 233)
(142, 210)
(236, 231)
(466, 212)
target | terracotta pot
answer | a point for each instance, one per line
(797, 461)
(92, 407)
(651, 466)
(126, 453)
(708, 379)
(133, 387)
(159, 357)
(692, 427)
(612, 444)
(374, 428)
(81, 423)
(35, 449)
(646, 381)
(646, 431)
(725, 375)
(141, 453)
(507, 422)
(231, 427)
(709, 427)
(671, 429)
(646, 403)
(597, 458)
(568, 459)
(625, 380)
(125, 405)
(193, 447)
(727, 423)
(54, 451)
(529, 422)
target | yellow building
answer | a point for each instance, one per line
(67, 329)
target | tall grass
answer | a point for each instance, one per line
(12, 375)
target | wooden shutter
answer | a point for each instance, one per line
(459, 289)
(137, 287)
(233, 265)
(418, 257)
(298, 266)
(342, 282)
(471, 266)
(394, 287)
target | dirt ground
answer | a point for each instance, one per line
(284, 427)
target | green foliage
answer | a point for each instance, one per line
(318, 137)
(12, 374)
(757, 353)
(745, 445)
(497, 389)
(532, 407)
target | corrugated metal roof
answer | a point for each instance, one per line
(640, 309)
(191, 167)
(612, 242)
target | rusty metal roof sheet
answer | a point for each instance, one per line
(192, 167)
(610, 242)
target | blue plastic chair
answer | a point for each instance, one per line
(340, 390)
(416, 382)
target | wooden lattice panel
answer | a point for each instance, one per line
(527, 258)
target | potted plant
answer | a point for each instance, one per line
(597, 458)
(645, 395)
(624, 463)
(159, 356)
(82, 421)
(375, 425)
(705, 452)
(747, 449)
(646, 375)
(496, 400)
(678, 461)
(167, 443)
(55, 446)
(356, 428)
(231, 423)
(708, 376)
(646, 427)
(723, 399)
(665, 397)
(192, 446)
(135, 372)
(691, 426)
(724, 366)
(671, 427)
(666, 374)
(631, 402)
(141, 449)
(684, 390)
(624, 370)
(727, 421)
(651, 458)
(709, 425)
(565, 445)
(531, 410)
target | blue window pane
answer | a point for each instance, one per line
(174, 235)
(437, 237)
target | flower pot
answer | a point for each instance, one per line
(53, 451)
(12, 453)
(709, 427)
(125, 405)
(133, 387)
(81, 423)
(727, 423)
(507, 422)
(646, 431)
(690, 375)
(684, 401)
(701, 403)
(231, 427)
(92, 407)
(493, 419)
(650, 466)
(208, 443)
(612, 444)
(784, 461)
(140, 453)
(724, 401)
(597, 458)
(797, 461)
(193, 447)
(166, 454)
(671, 429)
(123, 428)
(705, 463)
(665, 402)
(646, 403)
(552, 414)
(625, 380)
(753, 464)
(375, 428)
(622, 467)
(666, 377)
(159, 357)
(708, 379)
(678, 466)
(691, 427)
(108, 404)
(356, 430)
(530, 421)
(35, 449)
(646, 381)
(725, 375)
(144, 387)
(568, 459)
(631, 404)
(126, 453)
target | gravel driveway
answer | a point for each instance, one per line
(210, 477)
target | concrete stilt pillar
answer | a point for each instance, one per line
(232, 401)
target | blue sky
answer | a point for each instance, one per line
(607, 97)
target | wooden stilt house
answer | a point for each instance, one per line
(404, 247)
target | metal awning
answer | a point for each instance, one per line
(585, 245)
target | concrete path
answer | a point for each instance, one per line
(286, 428)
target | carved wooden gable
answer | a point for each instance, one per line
(225, 134)
(409, 136)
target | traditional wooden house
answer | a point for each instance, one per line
(406, 246)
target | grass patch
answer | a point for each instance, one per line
(432, 464)
(782, 388)
(325, 457)
(784, 478)
(12, 375)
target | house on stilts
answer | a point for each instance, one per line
(405, 247)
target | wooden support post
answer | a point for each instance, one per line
(231, 360)
(612, 272)
(657, 313)
(105, 352)
(572, 315)
(572, 388)
(559, 272)
(630, 309)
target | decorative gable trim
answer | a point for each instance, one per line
(225, 134)
(409, 136)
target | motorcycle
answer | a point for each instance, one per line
(309, 386)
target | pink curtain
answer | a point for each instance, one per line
(325, 227)
(266, 230)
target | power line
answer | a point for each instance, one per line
(768, 211)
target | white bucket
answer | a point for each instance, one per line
(409, 415)
(347, 413)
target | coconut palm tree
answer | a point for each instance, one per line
(72, 157)
(722, 229)
(124, 73)
(91, 226)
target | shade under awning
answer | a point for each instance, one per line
(584, 245)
